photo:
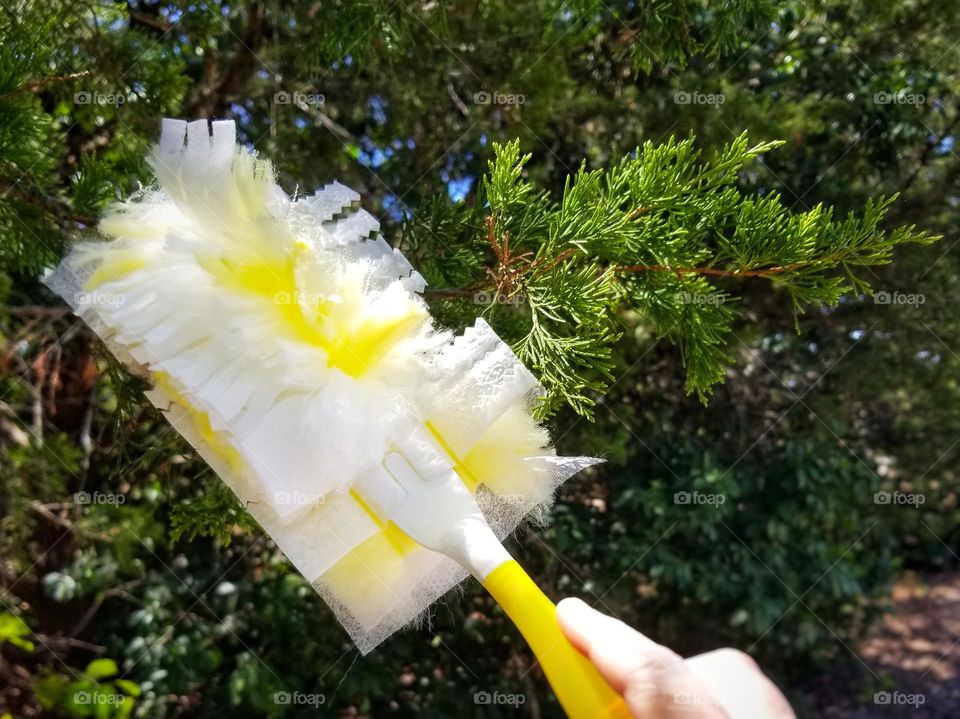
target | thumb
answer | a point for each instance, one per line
(614, 647)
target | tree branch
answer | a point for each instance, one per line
(37, 84)
(211, 101)
(708, 270)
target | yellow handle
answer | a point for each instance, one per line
(582, 692)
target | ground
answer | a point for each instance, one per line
(914, 654)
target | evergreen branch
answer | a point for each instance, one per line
(767, 272)
(55, 207)
(37, 84)
(447, 294)
(653, 234)
(701, 270)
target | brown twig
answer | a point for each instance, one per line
(141, 18)
(51, 641)
(214, 96)
(121, 590)
(461, 105)
(511, 268)
(766, 272)
(703, 270)
(31, 311)
(449, 294)
(37, 84)
(927, 153)
(44, 510)
(59, 209)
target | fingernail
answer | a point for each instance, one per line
(576, 610)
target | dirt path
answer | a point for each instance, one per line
(915, 653)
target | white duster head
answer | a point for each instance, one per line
(287, 341)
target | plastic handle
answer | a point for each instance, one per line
(582, 692)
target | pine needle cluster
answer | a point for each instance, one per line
(665, 233)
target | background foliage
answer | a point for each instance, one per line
(127, 572)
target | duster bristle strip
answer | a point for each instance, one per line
(288, 343)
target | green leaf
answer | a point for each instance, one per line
(128, 687)
(13, 630)
(101, 669)
(50, 690)
(125, 708)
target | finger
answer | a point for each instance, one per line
(654, 681)
(609, 643)
(739, 685)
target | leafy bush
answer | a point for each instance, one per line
(118, 545)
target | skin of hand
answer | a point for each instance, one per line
(656, 683)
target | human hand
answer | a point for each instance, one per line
(656, 683)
